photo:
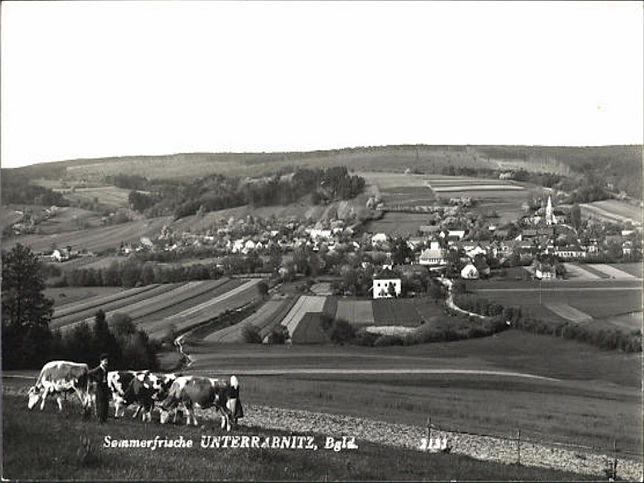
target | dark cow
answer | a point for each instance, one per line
(145, 389)
(118, 382)
(204, 393)
(58, 377)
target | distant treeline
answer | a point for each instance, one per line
(618, 165)
(608, 339)
(217, 192)
(132, 273)
(585, 188)
(16, 189)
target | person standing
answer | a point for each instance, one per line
(99, 376)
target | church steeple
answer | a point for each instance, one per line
(550, 216)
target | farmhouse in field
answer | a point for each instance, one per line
(63, 254)
(386, 284)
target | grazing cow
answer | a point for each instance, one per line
(203, 392)
(58, 377)
(145, 389)
(118, 382)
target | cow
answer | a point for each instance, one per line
(61, 377)
(145, 389)
(118, 382)
(204, 392)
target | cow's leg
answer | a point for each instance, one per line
(226, 417)
(119, 405)
(194, 417)
(44, 397)
(85, 401)
(136, 411)
(59, 400)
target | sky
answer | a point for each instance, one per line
(96, 79)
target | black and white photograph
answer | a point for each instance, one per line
(321, 241)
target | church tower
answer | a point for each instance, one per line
(550, 216)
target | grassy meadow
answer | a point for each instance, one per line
(70, 448)
(595, 397)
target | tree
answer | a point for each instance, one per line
(104, 340)
(262, 288)
(391, 290)
(575, 216)
(341, 331)
(26, 312)
(400, 251)
(279, 335)
(251, 335)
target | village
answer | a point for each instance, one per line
(456, 242)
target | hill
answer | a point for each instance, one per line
(619, 165)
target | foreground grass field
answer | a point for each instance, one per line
(595, 398)
(594, 307)
(49, 445)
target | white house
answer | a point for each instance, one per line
(58, 256)
(570, 252)
(477, 250)
(434, 255)
(385, 283)
(324, 234)
(469, 272)
(378, 238)
(238, 245)
(458, 234)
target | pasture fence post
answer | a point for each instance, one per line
(614, 468)
(519, 446)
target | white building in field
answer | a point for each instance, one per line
(385, 283)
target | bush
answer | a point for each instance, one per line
(250, 334)
(364, 338)
(341, 331)
(279, 335)
(387, 340)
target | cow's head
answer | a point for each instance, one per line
(34, 396)
(164, 385)
(138, 390)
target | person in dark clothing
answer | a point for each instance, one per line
(98, 376)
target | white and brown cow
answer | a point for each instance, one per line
(145, 389)
(61, 377)
(204, 393)
(118, 382)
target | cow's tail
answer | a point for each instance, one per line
(84, 388)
